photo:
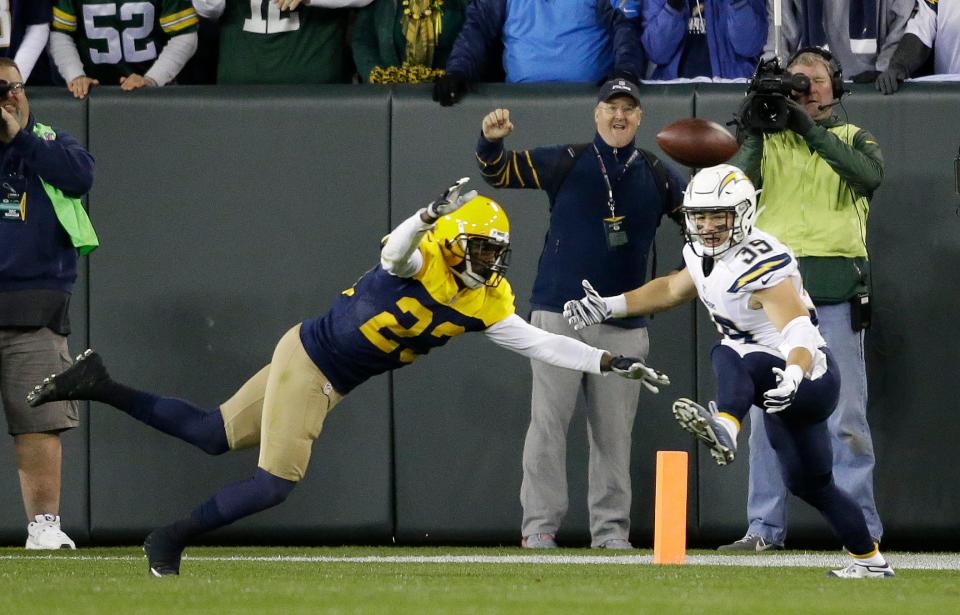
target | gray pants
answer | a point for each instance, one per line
(611, 405)
(26, 358)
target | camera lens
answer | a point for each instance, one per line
(800, 83)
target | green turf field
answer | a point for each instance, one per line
(467, 580)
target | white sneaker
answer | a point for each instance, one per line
(45, 533)
(857, 570)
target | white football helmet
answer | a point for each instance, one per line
(720, 189)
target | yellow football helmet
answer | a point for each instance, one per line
(475, 241)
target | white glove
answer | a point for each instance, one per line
(788, 381)
(591, 310)
(451, 200)
(634, 369)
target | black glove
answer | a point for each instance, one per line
(742, 119)
(889, 80)
(798, 120)
(867, 76)
(449, 89)
(677, 5)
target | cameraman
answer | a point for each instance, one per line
(817, 175)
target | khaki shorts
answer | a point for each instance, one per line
(27, 356)
(281, 408)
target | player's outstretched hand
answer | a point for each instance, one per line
(788, 381)
(635, 369)
(591, 310)
(451, 200)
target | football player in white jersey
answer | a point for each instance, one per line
(771, 353)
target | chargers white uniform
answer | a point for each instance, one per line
(760, 261)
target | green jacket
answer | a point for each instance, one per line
(815, 199)
(378, 40)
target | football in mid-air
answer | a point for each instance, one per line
(696, 142)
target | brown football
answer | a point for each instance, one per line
(697, 142)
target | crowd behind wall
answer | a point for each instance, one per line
(91, 43)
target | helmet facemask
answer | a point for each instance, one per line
(720, 203)
(483, 260)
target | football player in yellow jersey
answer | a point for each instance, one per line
(771, 353)
(440, 275)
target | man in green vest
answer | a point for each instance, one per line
(817, 177)
(43, 174)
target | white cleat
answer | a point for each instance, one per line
(857, 570)
(45, 533)
(704, 425)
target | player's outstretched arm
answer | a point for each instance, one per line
(655, 296)
(516, 334)
(399, 255)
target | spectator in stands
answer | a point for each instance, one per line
(862, 42)
(25, 37)
(934, 26)
(703, 38)
(542, 40)
(285, 41)
(126, 43)
(405, 41)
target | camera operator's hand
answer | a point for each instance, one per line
(798, 120)
(889, 80)
(744, 121)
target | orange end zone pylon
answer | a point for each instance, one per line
(670, 517)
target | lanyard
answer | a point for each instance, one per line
(611, 203)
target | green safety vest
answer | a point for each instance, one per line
(70, 212)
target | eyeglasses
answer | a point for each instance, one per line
(7, 88)
(612, 110)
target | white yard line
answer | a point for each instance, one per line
(906, 561)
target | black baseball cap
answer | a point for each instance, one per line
(618, 86)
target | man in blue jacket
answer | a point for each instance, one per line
(541, 40)
(704, 38)
(607, 199)
(43, 175)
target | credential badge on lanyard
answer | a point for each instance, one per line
(13, 199)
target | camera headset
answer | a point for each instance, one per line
(836, 71)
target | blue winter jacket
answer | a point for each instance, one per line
(736, 33)
(547, 40)
(36, 252)
(575, 247)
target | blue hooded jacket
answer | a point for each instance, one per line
(736, 32)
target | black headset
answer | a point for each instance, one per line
(836, 72)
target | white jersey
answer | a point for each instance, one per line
(937, 25)
(760, 261)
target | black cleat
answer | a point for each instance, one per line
(79, 381)
(163, 554)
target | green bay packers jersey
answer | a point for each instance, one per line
(385, 321)
(759, 261)
(259, 43)
(117, 38)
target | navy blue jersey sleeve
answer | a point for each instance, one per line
(530, 168)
